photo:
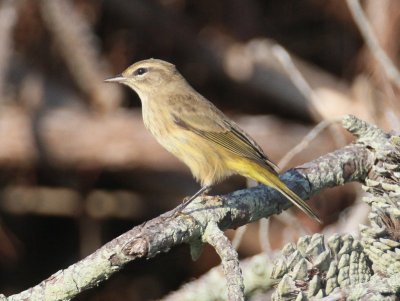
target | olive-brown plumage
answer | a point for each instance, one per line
(194, 130)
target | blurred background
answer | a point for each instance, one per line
(78, 168)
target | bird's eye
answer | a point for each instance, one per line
(140, 71)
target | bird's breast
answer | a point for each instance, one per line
(204, 159)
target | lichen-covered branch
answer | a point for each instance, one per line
(351, 163)
(211, 286)
(230, 261)
(353, 269)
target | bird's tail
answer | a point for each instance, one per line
(270, 178)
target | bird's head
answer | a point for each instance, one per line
(147, 76)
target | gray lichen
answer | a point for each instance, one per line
(315, 269)
(365, 269)
(381, 240)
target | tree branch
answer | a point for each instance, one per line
(211, 286)
(230, 261)
(351, 163)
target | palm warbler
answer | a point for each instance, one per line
(194, 130)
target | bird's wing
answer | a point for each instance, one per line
(207, 121)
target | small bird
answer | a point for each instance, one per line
(198, 133)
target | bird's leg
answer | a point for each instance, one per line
(186, 202)
(203, 190)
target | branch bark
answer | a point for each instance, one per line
(230, 261)
(211, 286)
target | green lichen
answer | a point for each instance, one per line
(360, 269)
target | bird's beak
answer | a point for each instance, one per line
(117, 79)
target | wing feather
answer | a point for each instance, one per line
(211, 124)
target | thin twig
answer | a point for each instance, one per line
(372, 42)
(237, 238)
(295, 75)
(263, 235)
(300, 82)
(76, 43)
(306, 141)
(8, 18)
(350, 219)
